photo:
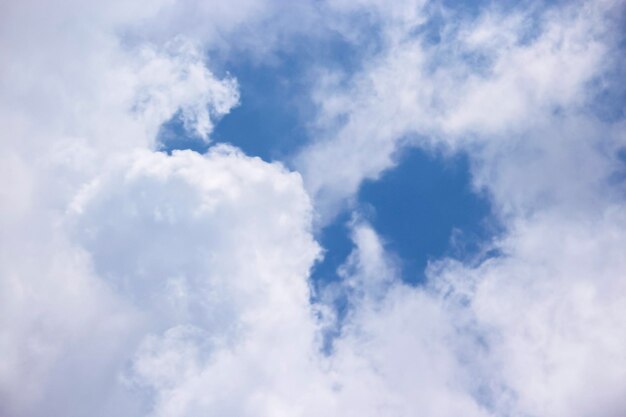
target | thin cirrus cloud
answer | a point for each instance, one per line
(135, 282)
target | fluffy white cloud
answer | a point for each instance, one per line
(175, 256)
(135, 283)
(84, 289)
(548, 312)
(214, 251)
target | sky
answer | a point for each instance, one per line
(316, 208)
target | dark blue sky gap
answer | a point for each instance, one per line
(416, 208)
(272, 121)
(419, 205)
(269, 123)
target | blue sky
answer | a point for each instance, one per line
(315, 208)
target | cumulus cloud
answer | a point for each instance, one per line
(213, 251)
(86, 294)
(137, 283)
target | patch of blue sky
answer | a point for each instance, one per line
(609, 101)
(270, 122)
(619, 174)
(274, 117)
(426, 209)
(423, 209)
(173, 136)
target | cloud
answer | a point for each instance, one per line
(515, 90)
(98, 254)
(536, 331)
(468, 91)
(548, 312)
(168, 276)
(214, 252)
(137, 283)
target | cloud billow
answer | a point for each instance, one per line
(136, 282)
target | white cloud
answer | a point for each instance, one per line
(549, 311)
(470, 91)
(536, 331)
(107, 245)
(170, 277)
(138, 283)
(214, 250)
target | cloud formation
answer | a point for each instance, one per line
(139, 283)
(488, 82)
